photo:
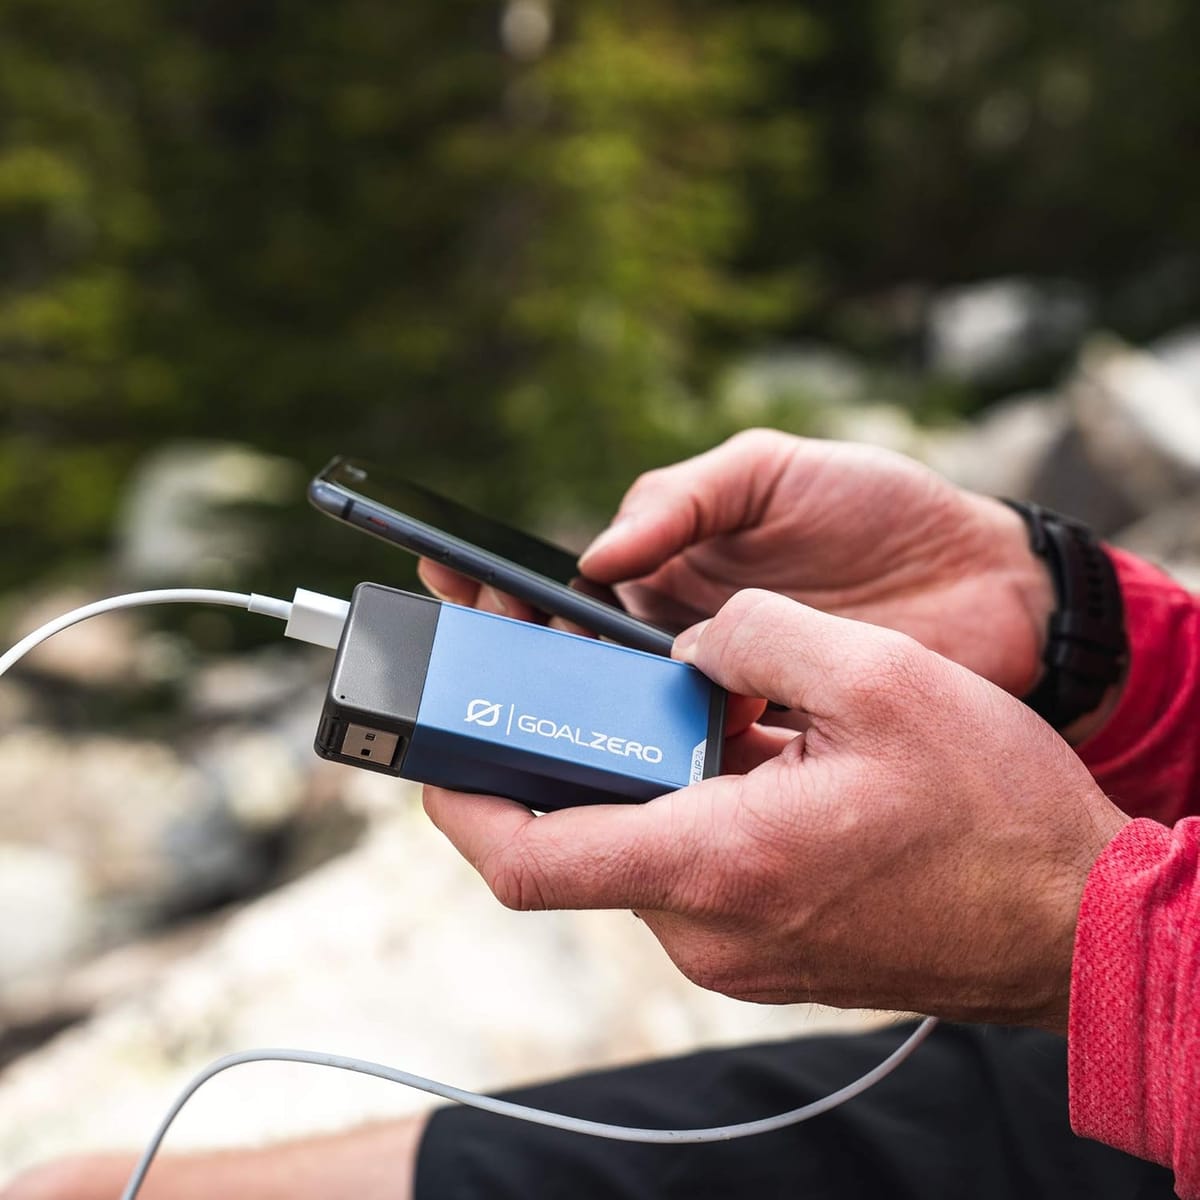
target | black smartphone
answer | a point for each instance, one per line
(535, 571)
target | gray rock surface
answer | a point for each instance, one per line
(395, 952)
(47, 920)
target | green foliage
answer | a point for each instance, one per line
(370, 227)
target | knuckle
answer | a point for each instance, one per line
(759, 439)
(715, 970)
(517, 883)
(743, 611)
(646, 484)
(890, 672)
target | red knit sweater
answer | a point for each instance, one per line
(1134, 1045)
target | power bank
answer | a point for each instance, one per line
(480, 703)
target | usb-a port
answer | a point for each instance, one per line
(364, 744)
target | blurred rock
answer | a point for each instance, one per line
(99, 652)
(44, 906)
(252, 683)
(808, 378)
(395, 952)
(1180, 354)
(994, 329)
(119, 810)
(1138, 427)
(156, 834)
(16, 703)
(1170, 537)
(188, 514)
(1001, 454)
(260, 777)
(884, 425)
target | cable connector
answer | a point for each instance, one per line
(316, 618)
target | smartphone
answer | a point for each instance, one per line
(535, 571)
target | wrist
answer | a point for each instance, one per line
(1025, 586)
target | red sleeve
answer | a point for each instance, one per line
(1134, 1043)
(1147, 756)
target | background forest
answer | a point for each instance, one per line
(517, 248)
(521, 250)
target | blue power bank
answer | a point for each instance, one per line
(480, 703)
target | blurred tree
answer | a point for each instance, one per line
(508, 244)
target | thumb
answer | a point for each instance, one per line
(763, 644)
(675, 507)
(596, 856)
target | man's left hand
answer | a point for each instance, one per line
(923, 846)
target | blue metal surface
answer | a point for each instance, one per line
(552, 719)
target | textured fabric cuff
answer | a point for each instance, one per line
(1134, 1040)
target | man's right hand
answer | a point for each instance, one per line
(853, 530)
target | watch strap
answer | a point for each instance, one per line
(1086, 647)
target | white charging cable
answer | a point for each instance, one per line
(310, 616)
(319, 619)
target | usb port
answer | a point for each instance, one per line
(369, 745)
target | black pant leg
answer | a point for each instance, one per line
(978, 1113)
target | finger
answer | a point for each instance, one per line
(670, 509)
(565, 626)
(596, 856)
(755, 746)
(456, 588)
(764, 644)
(446, 584)
(492, 600)
(741, 712)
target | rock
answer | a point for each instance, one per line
(1170, 537)
(263, 681)
(186, 517)
(800, 379)
(991, 330)
(99, 652)
(154, 835)
(885, 425)
(1002, 454)
(1138, 425)
(1180, 354)
(111, 806)
(395, 952)
(45, 915)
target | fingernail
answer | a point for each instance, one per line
(688, 641)
(498, 600)
(608, 536)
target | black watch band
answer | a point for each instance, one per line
(1086, 647)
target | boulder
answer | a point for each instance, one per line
(395, 952)
(46, 916)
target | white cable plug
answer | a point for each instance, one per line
(312, 617)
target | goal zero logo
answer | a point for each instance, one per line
(485, 713)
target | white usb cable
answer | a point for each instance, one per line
(313, 617)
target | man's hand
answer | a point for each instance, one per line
(922, 846)
(852, 530)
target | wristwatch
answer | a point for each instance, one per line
(1086, 646)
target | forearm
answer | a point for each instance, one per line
(374, 1162)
